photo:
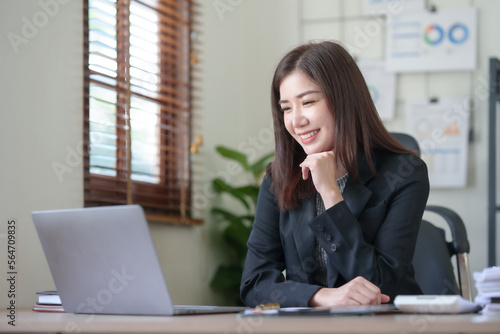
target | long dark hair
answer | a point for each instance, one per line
(357, 124)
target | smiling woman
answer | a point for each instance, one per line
(330, 229)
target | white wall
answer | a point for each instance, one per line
(41, 90)
(241, 44)
(42, 101)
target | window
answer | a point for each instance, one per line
(137, 116)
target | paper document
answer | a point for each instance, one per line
(426, 41)
(441, 129)
(381, 84)
(323, 311)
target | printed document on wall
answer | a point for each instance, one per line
(391, 7)
(432, 41)
(381, 84)
(441, 129)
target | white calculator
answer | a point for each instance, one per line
(435, 304)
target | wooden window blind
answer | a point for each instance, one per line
(137, 106)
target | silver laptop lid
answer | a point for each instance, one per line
(103, 260)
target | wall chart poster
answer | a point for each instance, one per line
(432, 41)
(382, 86)
(442, 131)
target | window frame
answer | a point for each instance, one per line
(170, 199)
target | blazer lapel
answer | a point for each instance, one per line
(305, 241)
(355, 196)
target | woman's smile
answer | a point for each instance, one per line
(308, 136)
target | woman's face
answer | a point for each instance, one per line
(306, 114)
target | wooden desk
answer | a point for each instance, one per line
(28, 321)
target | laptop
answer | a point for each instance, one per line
(103, 261)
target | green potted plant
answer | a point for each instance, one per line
(235, 226)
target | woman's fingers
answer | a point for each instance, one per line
(371, 291)
(363, 291)
(321, 165)
(358, 291)
(305, 172)
(323, 169)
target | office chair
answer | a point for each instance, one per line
(432, 258)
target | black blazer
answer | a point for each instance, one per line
(372, 233)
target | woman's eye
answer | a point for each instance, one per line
(308, 102)
(285, 109)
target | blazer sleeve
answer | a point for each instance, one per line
(263, 280)
(392, 223)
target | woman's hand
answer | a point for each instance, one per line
(358, 291)
(324, 173)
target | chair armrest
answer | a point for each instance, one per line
(460, 241)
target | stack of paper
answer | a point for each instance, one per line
(488, 287)
(48, 301)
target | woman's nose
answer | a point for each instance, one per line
(299, 118)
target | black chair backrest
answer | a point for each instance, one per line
(459, 241)
(407, 141)
(433, 270)
(432, 259)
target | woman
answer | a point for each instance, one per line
(340, 207)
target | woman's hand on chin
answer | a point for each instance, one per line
(324, 172)
(358, 291)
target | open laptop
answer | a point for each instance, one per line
(103, 261)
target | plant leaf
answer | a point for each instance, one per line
(240, 194)
(228, 216)
(227, 277)
(236, 235)
(251, 192)
(234, 155)
(260, 165)
(227, 280)
(236, 232)
(249, 218)
(220, 185)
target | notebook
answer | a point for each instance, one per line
(103, 261)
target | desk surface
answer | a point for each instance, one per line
(28, 321)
